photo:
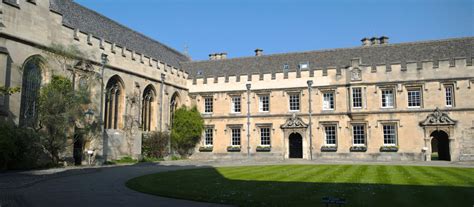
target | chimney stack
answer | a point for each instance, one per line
(366, 41)
(212, 56)
(258, 52)
(383, 40)
(375, 41)
(224, 55)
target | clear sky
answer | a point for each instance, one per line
(278, 26)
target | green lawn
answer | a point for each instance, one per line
(306, 185)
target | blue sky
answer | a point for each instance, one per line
(278, 26)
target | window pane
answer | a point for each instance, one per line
(208, 105)
(265, 136)
(330, 134)
(208, 137)
(357, 97)
(235, 104)
(358, 132)
(235, 136)
(328, 101)
(389, 134)
(387, 98)
(414, 98)
(449, 95)
(294, 102)
(264, 104)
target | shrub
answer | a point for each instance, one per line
(19, 147)
(154, 144)
(186, 131)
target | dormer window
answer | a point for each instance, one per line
(304, 65)
(199, 72)
(286, 67)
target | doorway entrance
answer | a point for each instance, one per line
(440, 146)
(78, 148)
(296, 145)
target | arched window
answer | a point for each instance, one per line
(30, 91)
(113, 103)
(174, 103)
(148, 108)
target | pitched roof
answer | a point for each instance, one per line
(335, 58)
(91, 22)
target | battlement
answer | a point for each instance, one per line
(385, 72)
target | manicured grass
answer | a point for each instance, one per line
(306, 185)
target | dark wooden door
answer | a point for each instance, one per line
(296, 146)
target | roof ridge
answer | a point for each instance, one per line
(132, 30)
(337, 49)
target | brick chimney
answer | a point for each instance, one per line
(258, 52)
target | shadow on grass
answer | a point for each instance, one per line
(209, 185)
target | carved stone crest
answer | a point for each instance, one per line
(356, 74)
(438, 118)
(294, 122)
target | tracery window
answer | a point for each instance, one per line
(30, 90)
(148, 108)
(113, 103)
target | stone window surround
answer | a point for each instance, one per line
(326, 91)
(292, 93)
(323, 125)
(366, 132)
(394, 93)
(206, 127)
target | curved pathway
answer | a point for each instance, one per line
(105, 186)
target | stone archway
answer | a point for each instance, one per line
(440, 146)
(439, 134)
(295, 143)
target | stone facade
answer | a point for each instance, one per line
(373, 102)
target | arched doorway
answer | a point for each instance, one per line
(440, 146)
(296, 145)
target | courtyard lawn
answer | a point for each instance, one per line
(306, 185)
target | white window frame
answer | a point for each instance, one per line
(327, 103)
(449, 95)
(266, 134)
(236, 104)
(358, 97)
(209, 135)
(333, 133)
(236, 134)
(208, 104)
(386, 133)
(409, 97)
(357, 133)
(291, 98)
(383, 98)
(303, 65)
(261, 103)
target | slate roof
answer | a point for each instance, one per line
(88, 21)
(336, 58)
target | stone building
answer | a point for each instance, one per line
(378, 101)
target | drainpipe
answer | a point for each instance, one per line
(101, 113)
(310, 83)
(248, 119)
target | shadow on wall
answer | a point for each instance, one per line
(209, 185)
